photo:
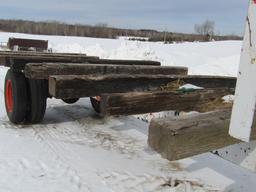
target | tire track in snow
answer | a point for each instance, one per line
(76, 132)
(95, 132)
(67, 128)
(28, 167)
(74, 179)
(57, 137)
(125, 181)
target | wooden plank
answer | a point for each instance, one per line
(72, 86)
(156, 101)
(127, 62)
(31, 53)
(17, 58)
(20, 52)
(44, 70)
(19, 62)
(178, 138)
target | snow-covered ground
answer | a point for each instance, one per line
(214, 58)
(73, 150)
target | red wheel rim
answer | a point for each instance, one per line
(9, 96)
(98, 98)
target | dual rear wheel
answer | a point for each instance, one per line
(25, 99)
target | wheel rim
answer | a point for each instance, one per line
(95, 101)
(97, 98)
(9, 96)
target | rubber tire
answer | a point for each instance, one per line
(95, 105)
(70, 101)
(19, 89)
(37, 100)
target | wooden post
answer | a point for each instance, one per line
(245, 97)
(182, 137)
(156, 101)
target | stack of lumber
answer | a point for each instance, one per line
(131, 89)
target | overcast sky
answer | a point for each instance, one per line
(172, 15)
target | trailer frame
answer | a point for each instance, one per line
(70, 76)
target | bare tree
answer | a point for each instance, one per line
(101, 24)
(102, 30)
(206, 28)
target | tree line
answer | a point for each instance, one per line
(100, 30)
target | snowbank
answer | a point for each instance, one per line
(212, 58)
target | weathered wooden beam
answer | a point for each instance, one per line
(182, 137)
(71, 59)
(13, 53)
(127, 62)
(75, 86)
(32, 53)
(156, 101)
(37, 56)
(2, 61)
(19, 62)
(44, 70)
(22, 58)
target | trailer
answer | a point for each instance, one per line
(115, 87)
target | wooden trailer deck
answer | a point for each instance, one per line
(126, 87)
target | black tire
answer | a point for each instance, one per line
(16, 111)
(95, 104)
(37, 100)
(70, 101)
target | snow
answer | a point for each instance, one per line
(74, 150)
(212, 58)
(228, 98)
(190, 86)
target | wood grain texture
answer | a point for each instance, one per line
(156, 101)
(18, 60)
(178, 138)
(76, 86)
(31, 53)
(44, 70)
(41, 55)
